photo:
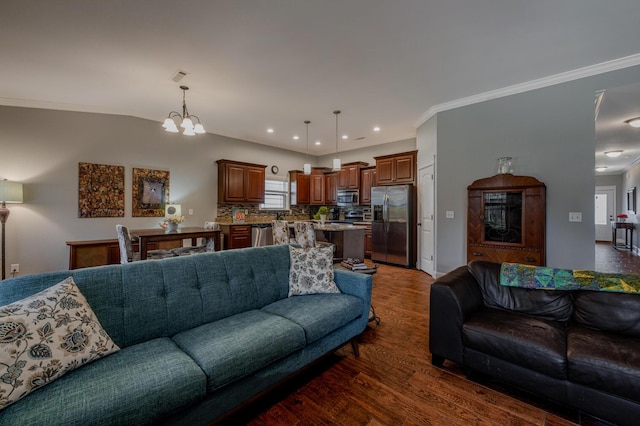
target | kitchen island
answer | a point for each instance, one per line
(348, 239)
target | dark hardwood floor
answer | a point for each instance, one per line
(393, 381)
(609, 259)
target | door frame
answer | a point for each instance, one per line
(428, 195)
(602, 188)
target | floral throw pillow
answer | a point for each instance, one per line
(311, 271)
(45, 336)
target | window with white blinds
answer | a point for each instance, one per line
(276, 194)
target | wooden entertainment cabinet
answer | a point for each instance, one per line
(506, 220)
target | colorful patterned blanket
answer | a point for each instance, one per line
(542, 277)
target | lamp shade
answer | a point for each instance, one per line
(10, 192)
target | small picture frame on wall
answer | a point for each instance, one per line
(150, 192)
(631, 200)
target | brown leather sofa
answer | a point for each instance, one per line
(578, 348)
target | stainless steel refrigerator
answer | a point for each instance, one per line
(392, 229)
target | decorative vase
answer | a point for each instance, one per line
(622, 219)
(323, 218)
(171, 226)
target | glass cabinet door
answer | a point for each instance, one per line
(503, 217)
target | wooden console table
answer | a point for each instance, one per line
(628, 235)
(84, 254)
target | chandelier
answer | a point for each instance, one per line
(185, 119)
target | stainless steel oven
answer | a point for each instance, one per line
(348, 197)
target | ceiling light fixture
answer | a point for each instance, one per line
(613, 154)
(307, 166)
(376, 129)
(601, 169)
(185, 119)
(336, 161)
(633, 122)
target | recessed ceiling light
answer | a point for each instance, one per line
(613, 154)
(296, 137)
(376, 129)
(317, 142)
(601, 169)
(633, 122)
(345, 137)
(269, 130)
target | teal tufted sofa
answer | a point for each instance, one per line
(199, 335)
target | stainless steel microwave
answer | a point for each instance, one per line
(348, 197)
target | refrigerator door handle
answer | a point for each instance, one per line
(385, 212)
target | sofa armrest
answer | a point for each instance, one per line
(356, 284)
(454, 297)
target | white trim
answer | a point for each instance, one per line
(588, 71)
(31, 103)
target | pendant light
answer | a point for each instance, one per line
(336, 161)
(186, 119)
(307, 166)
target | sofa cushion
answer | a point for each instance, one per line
(530, 342)
(137, 385)
(606, 361)
(311, 271)
(233, 347)
(615, 312)
(45, 336)
(552, 305)
(318, 314)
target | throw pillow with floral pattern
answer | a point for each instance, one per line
(45, 336)
(311, 271)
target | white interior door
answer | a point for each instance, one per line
(426, 182)
(605, 207)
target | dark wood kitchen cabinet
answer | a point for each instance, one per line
(331, 188)
(299, 188)
(241, 183)
(506, 220)
(236, 236)
(317, 186)
(396, 169)
(367, 181)
(349, 175)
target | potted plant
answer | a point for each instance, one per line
(322, 213)
(622, 217)
(173, 221)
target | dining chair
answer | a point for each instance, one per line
(306, 236)
(280, 230)
(126, 249)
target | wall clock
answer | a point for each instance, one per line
(274, 170)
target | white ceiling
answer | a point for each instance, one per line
(612, 133)
(255, 64)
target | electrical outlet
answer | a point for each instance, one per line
(190, 212)
(575, 217)
(449, 214)
(15, 268)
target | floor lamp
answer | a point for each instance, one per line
(10, 192)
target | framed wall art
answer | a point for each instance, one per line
(100, 190)
(150, 192)
(631, 200)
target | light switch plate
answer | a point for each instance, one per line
(575, 217)
(450, 214)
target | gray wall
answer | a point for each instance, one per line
(367, 154)
(42, 149)
(550, 133)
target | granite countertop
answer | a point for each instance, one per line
(337, 227)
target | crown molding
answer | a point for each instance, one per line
(591, 70)
(31, 103)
